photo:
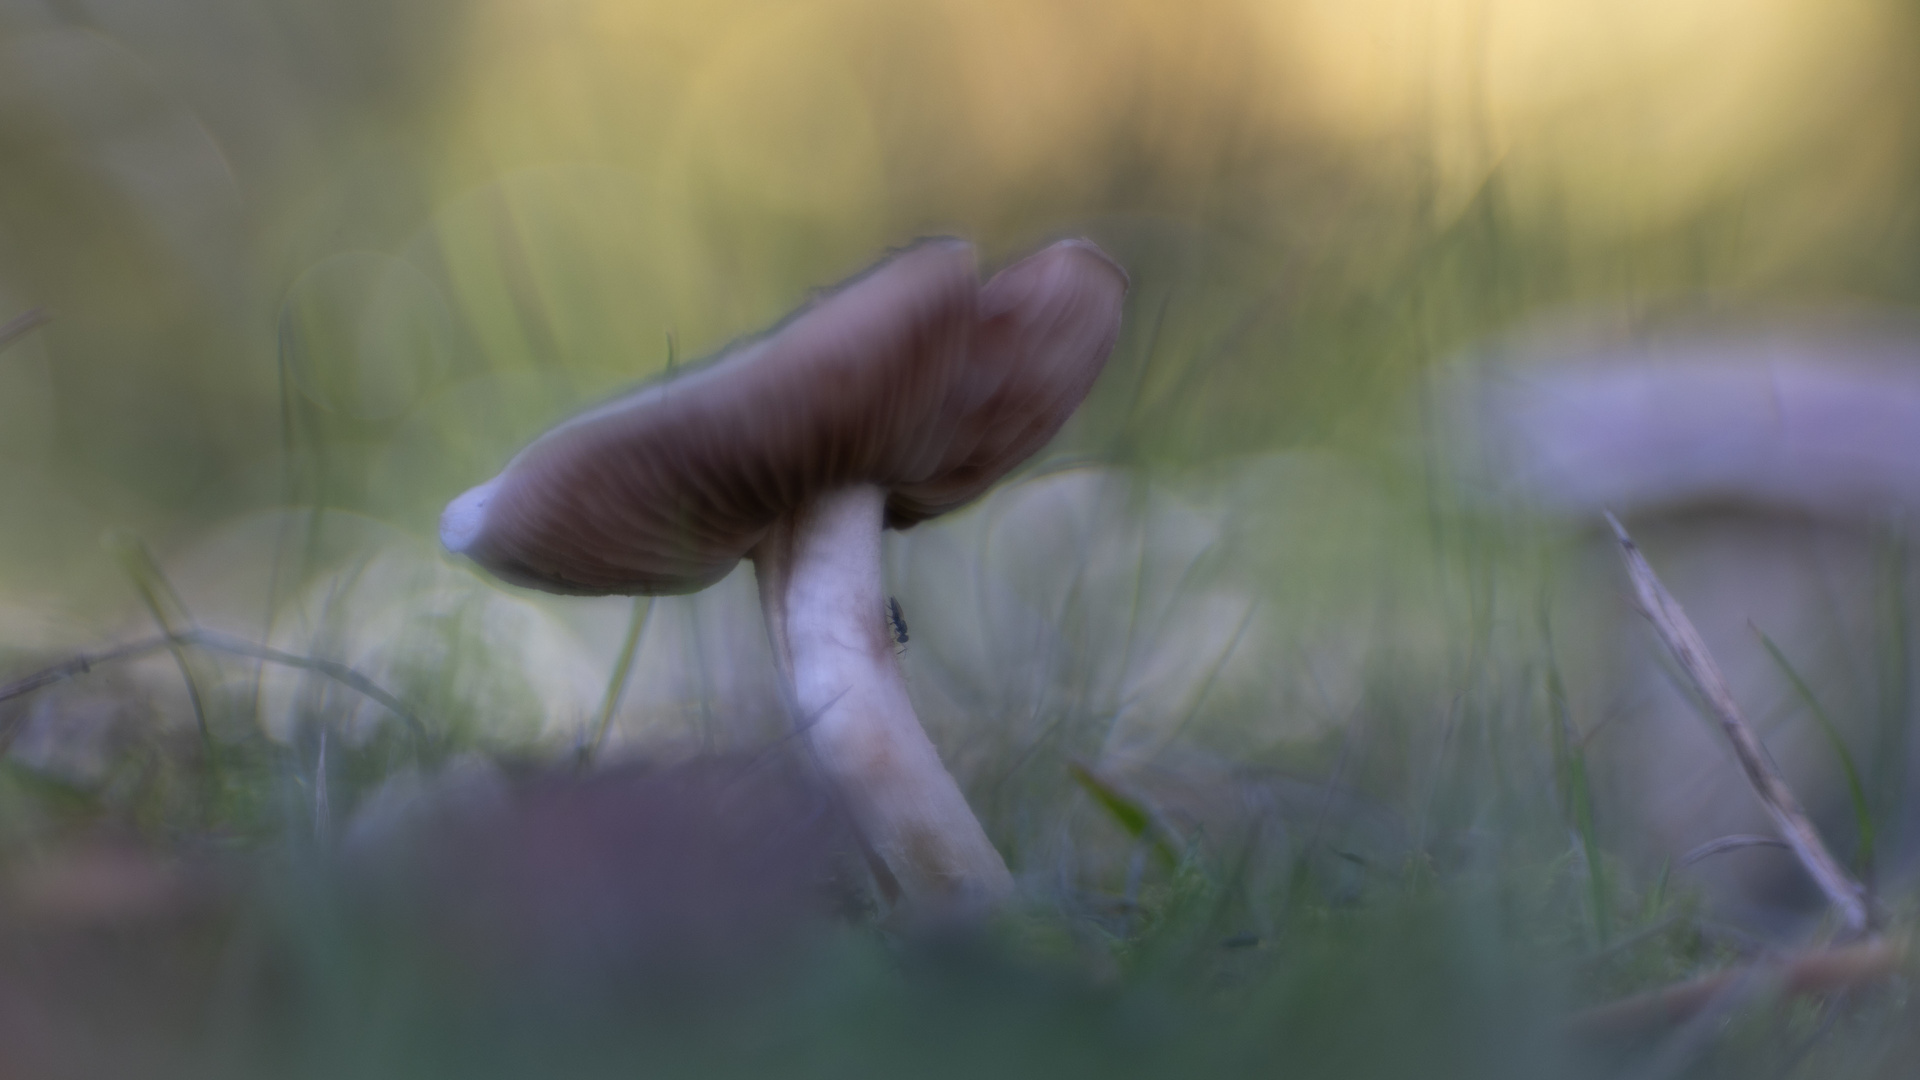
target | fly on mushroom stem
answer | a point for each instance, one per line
(902, 395)
(896, 622)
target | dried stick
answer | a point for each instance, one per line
(1816, 971)
(1848, 896)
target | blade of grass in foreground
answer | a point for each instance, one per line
(1862, 810)
(1893, 658)
(170, 614)
(1570, 769)
(1132, 815)
(617, 681)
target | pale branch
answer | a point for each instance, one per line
(1683, 642)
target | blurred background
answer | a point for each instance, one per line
(309, 270)
(344, 255)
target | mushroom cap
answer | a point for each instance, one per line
(1047, 324)
(910, 377)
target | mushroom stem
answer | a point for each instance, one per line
(819, 573)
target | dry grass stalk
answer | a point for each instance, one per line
(215, 642)
(1816, 971)
(1676, 631)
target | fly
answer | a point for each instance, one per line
(896, 622)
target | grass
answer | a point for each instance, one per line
(1163, 941)
(1401, 859)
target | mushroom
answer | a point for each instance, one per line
(902, 394)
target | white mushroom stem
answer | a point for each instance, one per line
(819, 572)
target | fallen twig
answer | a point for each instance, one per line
(1676, 631)
(1816, 971)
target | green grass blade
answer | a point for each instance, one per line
(1129, 813)
(1576, 793)
(617, 681)
(170, 614)
(1856, 792)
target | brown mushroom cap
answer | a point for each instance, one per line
(909, 377)
(1046, 326)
